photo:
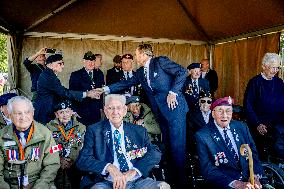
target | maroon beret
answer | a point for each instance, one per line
(226, 101)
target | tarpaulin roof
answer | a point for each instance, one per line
(204, 20)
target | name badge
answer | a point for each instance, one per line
(9, 143)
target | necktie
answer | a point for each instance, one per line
(119, 153)
(91, 75)
(230, 145)
(22, 139)
(195, 89)
(127, 75)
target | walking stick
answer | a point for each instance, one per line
(246, 151)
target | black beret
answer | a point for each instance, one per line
(127, 56)
(5, 97)
(132, 99)
(204, 94)
(89, 56)
(62, 105)
(53, 58)
(117, 59)
(193, 65)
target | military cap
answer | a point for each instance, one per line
(193, 65)
(204, 94)
(132, 99)
(127, 56)
(117, 59)
(5, 97)
(226, 101)
(53, 58)
(63, 105)
(89, 56)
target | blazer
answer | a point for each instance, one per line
(212, 77)
(165, 75)
(113, 76)
(97, 151)
(88, 109)
(217, 163)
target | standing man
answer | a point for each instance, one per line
(118, 154)
(193, 85)
(264, 101)
(162, 80)
(86, 79)
(114, 74)
(210, 75)
(35, 69)
(218, 146)
(28, 154)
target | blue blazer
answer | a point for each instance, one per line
(88, 109)
(98, 150)
(165, 75)
(219, 171)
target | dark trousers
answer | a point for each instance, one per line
(68, 178)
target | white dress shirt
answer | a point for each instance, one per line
(206, 116)
(146, 66)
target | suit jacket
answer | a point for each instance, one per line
(212, 78)
(165, 75)
(192, 100)
(51, 92)
(196, 120)
(88, 109)
(217, 163)
(98, 151)
(113, 76)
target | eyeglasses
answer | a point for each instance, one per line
(112, 108)
(208, 101)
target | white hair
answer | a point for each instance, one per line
(271, 58)
(18, 99)
(118, 97)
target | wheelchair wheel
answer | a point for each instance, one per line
(275, 175)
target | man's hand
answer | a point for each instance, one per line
(262, 129)
(130, 174)
(41, 51)
(119, 180)
(139, 122)
(172, 101)
(246, 185)
(95, 93)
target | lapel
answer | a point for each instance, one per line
(128, 139)
(85, 76)
(108, 137)
(219, 141)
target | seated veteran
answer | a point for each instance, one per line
(218, 147)
(140, 114)
(4, 118)
(118, 154)
(69, 134)
(28, 153)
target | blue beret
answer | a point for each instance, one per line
(53, 58)
(5, 97)
(62, 105)
(132, 99)
(193, 65)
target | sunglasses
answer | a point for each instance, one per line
(208, 101)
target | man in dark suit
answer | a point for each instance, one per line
(114, 74)
(162, 80)
(193, 85)
(85, 79)
(210, 75)
(218, 146)
(118, 154)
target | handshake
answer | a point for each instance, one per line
(95, 93)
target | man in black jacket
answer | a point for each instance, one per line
(210, 75)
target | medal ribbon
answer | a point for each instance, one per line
(63, 132)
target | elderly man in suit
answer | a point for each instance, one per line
(162, 80)
(218, 147)
(210, 75)
(85, 79)
(118, 154)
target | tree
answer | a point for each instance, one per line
(3, 53)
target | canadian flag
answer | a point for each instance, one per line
(55, 148)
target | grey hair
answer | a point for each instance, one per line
(271, 58)
(118, 97)
(18, 99)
